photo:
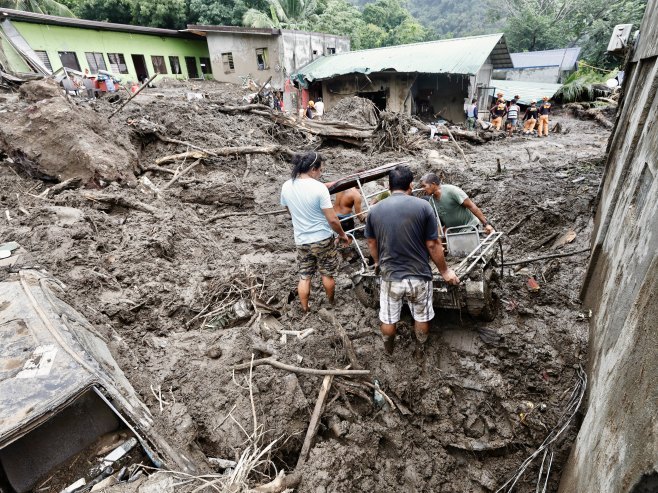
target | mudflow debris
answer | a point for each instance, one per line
(186, 268)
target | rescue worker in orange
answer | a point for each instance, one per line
(530, 117)
(544, 110)
(498, 111)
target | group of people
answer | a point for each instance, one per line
(509, 111)
(402, 232)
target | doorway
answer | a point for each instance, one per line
(139, 63)
(190, 63)
(377, 97)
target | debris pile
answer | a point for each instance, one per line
(190, 275)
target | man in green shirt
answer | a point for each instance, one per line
(452, 205)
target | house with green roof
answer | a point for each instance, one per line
(432, 79)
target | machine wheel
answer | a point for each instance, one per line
(487, 308)
(367, 292)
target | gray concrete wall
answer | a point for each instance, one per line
(617, 447)
(243, 48)
(300, 47)
(287, 52)
(533, 74)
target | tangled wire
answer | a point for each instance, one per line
(546, 447)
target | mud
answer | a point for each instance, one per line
(158, 285)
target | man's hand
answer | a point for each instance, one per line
(450, 277)
(344, 240)
(488, 229)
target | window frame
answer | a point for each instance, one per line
(45, 59)
(264, 53)
(75, 56)
(206, 66)
(229, 65)
(161, 60)
(95, 55)
(121, 60)
(176, 68)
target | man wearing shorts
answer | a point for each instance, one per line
(402, 236)
(314, 222)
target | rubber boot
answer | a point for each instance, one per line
(389, 344)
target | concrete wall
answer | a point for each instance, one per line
(287, 52)
(444, 92)
(300, 48)
(53, 39)
(617, 447)
(530, 74)
(243, 49)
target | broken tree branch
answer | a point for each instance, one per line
(546, 257)
(135, 94)
(232, 214)
(120, 201)
(297, 369)
(315, 420)
(519, 223)
(74, 182)
(223, 151)
(183, 155)
(280, 484)
(178, 175)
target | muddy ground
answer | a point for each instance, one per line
(160, 285)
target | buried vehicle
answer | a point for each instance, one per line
(471, 253)
(69, 418)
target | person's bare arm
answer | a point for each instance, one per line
(372, 247)
(334, 222)
(435, 249)
(358, 210)
(470, 205)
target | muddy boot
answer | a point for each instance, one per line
(389, 344)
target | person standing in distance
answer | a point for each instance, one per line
(314, 223)
(402, 236)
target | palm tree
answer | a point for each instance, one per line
(289, 14)
(49, 7)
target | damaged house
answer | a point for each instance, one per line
(425, 79)
(41, 44)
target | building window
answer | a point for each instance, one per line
(190, 63)
(159, 64)
(96, 62)
(43, 56)
(315, 52)
(331, 51)
(227, 60)
(174, 62)
(262, 59)
(69, 60)
(206, 68)
(117, 63)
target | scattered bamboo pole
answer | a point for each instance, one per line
(297, 369)
(315, 420)
(135, 94)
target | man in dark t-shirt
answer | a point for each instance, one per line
(402, 235)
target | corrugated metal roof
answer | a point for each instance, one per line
(20, 15)
(565, 58)
(448, 56)
(527, 90)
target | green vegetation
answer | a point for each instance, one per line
(529, 25)
(586, 84)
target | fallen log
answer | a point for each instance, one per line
(121, 202)
(297, 369)
(222, 151)
(546, 257)
(315, 420)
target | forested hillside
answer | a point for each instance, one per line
(529, 25)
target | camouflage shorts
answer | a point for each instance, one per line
(321, 255)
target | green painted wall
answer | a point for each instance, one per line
(53, 39)
(10, 58)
